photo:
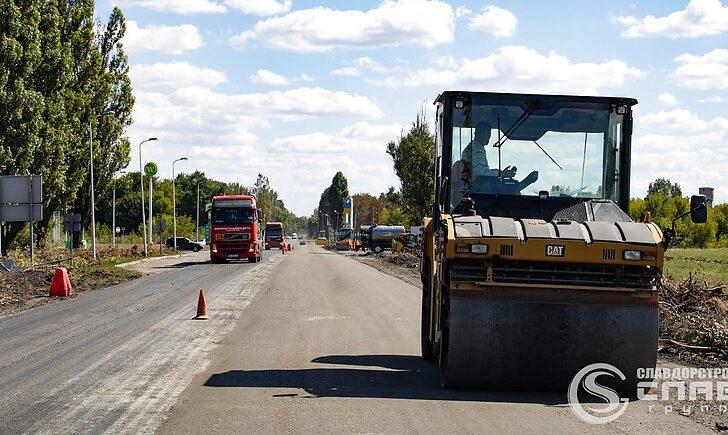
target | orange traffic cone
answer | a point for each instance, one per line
(201, 308)
(283, 248)
(61, 284)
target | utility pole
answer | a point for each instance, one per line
(141, 181)
(93, 200)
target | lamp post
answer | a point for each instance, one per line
(174, 204)
(197, 225)
(113, 212)
(141, 180)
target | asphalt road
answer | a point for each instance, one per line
(331, 345)
(116, 360)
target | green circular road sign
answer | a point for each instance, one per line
(150, 169)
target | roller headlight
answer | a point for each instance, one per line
(633, 255)
(479, 249)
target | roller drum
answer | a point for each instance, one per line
(508, 345)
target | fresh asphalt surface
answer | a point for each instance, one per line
(114, 360)
(331, 345)
(326, 344)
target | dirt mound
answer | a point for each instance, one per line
(693, 322)
(403, 259)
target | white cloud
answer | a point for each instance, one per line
(498, 22)
(266, 77)
(462, 11)
(709, 71)
(175, 75)
(393, 23)
(176, 6)
(358, 150)
(260, 7)
(347, 71)
(713, 99)
(521, 69)
(361, 64)
(256, 7)
(678, 119)
(667, 99)
(173, 40)
(692, 157)
(699, 18)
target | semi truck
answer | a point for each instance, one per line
(274, 235)
(235, 229)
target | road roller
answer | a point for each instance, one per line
(531, 266)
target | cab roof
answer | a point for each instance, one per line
(600, 99)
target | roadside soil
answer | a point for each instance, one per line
(29, 287)
(405, 266)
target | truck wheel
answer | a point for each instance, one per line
(196, 249)
(377, 249)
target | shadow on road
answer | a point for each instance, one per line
(398, 377)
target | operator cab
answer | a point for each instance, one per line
(533, 156)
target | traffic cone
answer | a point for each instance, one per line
(61, 284)
(201, 308)
(289, 247)
(283, 248)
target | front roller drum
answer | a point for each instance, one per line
(504, 345)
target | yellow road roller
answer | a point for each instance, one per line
(531, 267)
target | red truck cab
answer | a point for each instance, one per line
(274, 235)
(235, 229)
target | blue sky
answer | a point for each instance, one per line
(300, 89)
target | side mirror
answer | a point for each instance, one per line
(698, 209)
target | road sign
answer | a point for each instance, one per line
(150, 169)
(16, 189)
(21, 213)
(118, 230)
(72, 222)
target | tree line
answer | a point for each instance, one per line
(63, 79)
(128, 203)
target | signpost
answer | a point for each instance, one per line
(21, 200)
(72, 226)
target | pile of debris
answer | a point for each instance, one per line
(404, 259)
(693, 320)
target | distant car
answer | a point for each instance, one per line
(294, 236)
(184, 244)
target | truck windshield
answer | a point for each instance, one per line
(232, 216)
(274, 231)
(519, 147)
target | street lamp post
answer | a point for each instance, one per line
(197, 224)
(141, 180)
(113, 212)
(174, 204)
